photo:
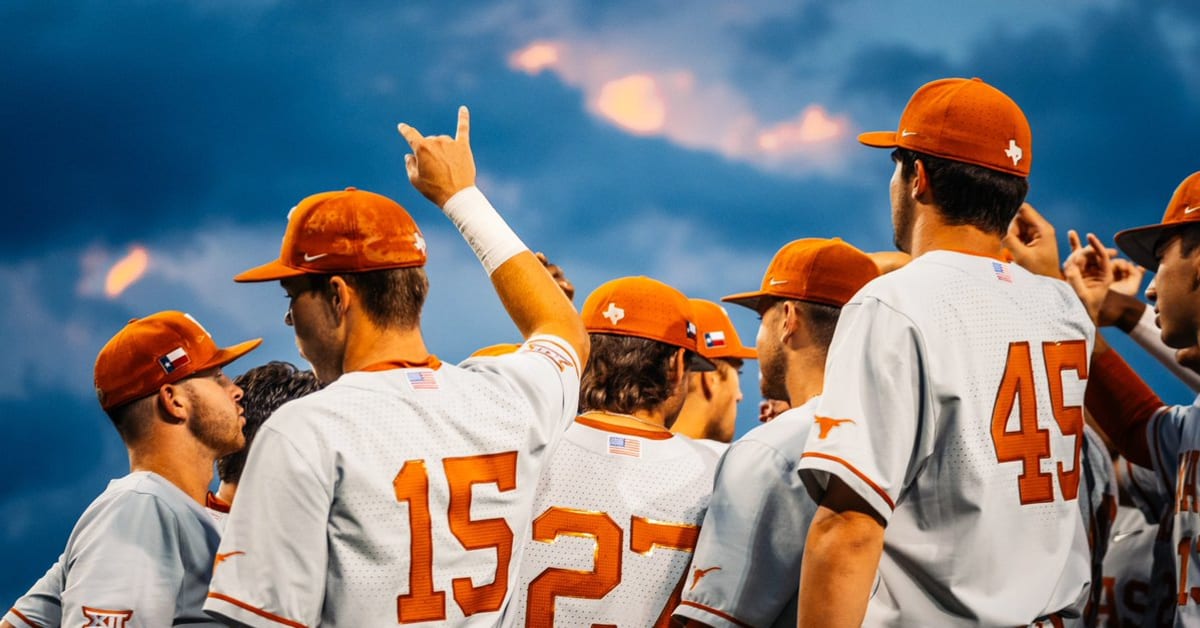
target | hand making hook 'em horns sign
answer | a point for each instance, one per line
(440, 166)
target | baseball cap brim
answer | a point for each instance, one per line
(698, 363)
(229, 354)
(746, 299)
(271, 271)
(879, 139)
(1139, 243)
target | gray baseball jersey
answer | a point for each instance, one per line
(395, 496)
(618, 512)
(141, 555)
(41, 606)
(1126, 598)
(955, 410)
(747, 563)
(1173, 437)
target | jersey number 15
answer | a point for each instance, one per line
(1030, 444)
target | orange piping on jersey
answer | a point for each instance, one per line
(213, 502)
(565, 350)
(619, 428)
(725, 616)
(860, 474)
(495, 350)
(25, 619)
(431, 362)
(257, 611)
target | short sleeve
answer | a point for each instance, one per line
(41, 606)
(868, 422)
(544, 370)
(746, 567)
(123, 565)
(1164, 433)
(271, 566)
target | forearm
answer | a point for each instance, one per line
(841, 558)
(1121, 403)
(536, 304)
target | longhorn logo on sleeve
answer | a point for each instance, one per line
(827, 424)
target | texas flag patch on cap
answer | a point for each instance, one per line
(714, 339)
(174, 360)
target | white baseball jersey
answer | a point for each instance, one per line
(41, 606)
(140, 556)
(618, 511)
(953, 407)
(1126, 598)
(395, 497)
(746, 567)
(1173, 438)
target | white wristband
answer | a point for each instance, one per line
(493, 241)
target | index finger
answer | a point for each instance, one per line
(464, 125)
(411, 135)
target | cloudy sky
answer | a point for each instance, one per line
(682, 141)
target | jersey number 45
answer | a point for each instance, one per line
(1030, 444)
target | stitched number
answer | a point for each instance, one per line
(422, 603)
(592, 585)
(1030, 444)
(644, 536)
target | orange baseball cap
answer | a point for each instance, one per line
(965, 120)
(344, 232)
(645, 308)
(717, 336)
(159, 349)
(1184, 209)
(813, 269)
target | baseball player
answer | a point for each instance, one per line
(1126, 597)
(619, 505)
(1149, 434)
(709, 413)
(142, 552)
(400, 492)
(747, 561)
(955, 422)
(264, 388)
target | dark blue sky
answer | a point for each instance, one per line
(621, 138)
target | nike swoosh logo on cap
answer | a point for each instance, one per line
(310, 258)
(1188, 210)
(906, 133)
(777, 282)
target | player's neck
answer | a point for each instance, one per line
(371, 345)
(932, 233)
(189, 468)
(635, 419)
(692, 420)
(805, 377)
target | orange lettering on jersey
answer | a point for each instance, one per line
(1108, 602)
(1185, 491)
(699, 573)
(554, 582)
(827, 424)
(101, 618)
(222, 557)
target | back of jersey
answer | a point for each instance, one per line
(954, 390)
(397, 497)
(616, 516)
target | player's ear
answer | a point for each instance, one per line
(708, 383)
(920, 183)
(172, 403)
(791, 322)
(339, 295)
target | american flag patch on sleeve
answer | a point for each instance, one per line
(422, 380)
(624, 446)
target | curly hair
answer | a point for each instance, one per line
(625, 374)
(264, 389)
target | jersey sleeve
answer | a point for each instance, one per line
(41, 606)
(1164, 433)
(270, 569)
(123, 566)
(544, 370)
(746, 567)
(869, 422)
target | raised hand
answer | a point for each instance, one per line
(440, 166)
(1127, 277)
(1089, 271)
(1031, 241)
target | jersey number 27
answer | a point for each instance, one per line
(1030, 444)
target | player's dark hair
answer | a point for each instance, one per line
(968, 194)
(131, 419)
(1189, 240)
(822, 320)
(391, 298)
(625, 374)
(264, 389)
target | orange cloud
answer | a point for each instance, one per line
(126, 271)
(633, 103)
(535, 57)
(812, 126)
